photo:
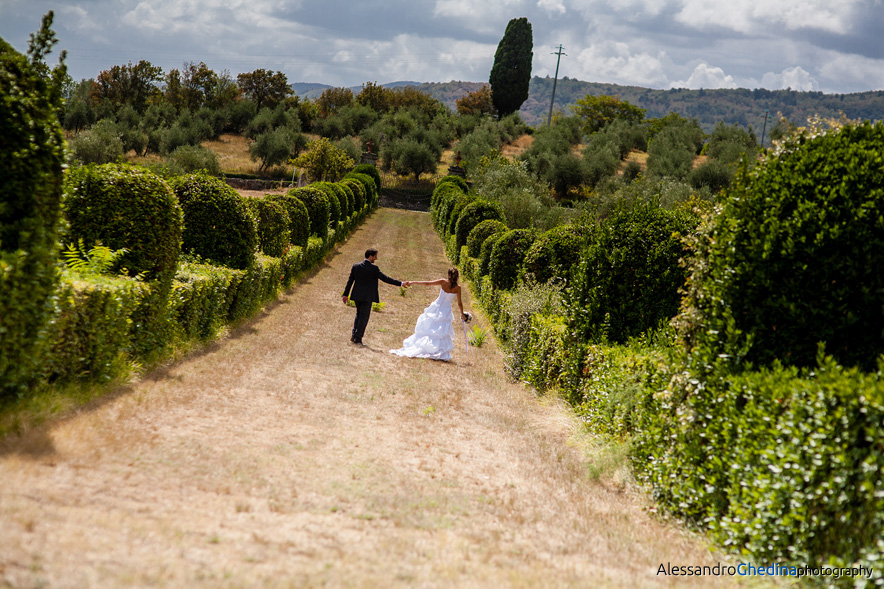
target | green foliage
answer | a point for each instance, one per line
(127, 207)
(517, 320)
(188, 159)
(324, 161)
(274, 225)
(554, 254)
(368, 186)
(598, 112)
(414, 157)
(482, 231)
(31, 164)
(793, 257)
(276, 147)
(101, 144)
(370, 171)
(457, 180)
(218, 225)
(511, 72)
(440, 202)
(471, 215)
(477, 336)
(357, 189)
(98, 259)
(317, 204)
(629, 275)
(299, 227)
(713, 175)
(730, 143)
(487, 249)
(334, 204)
(783, 462)
(508, 256)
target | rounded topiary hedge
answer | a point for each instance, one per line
(299, 219)
(630, 275)
(508, 256)
(795, 256)
(372, 172)
(218, 224)
(456, 180)
(368, 185)
(440, 203)
(554, 254)
(334, 204)
(457, 204)
(351, 198)
(358, 191)
(481, 232)
(473, 214)
(124, 206)
(31, 168)
(274, 225)
(486, 250)
(317, 208)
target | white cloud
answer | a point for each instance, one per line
(751, 17)
(483, 16)
(795, 78)
(706, 76)
(556, 6)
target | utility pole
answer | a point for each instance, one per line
(555, 79)
(764, 128)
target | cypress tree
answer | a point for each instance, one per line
(511, 73)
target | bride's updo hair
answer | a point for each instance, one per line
(453, 275)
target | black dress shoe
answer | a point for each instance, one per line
(358, 342)
(353, 339)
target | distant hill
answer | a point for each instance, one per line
(731, 106)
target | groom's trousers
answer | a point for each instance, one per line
(363, 311)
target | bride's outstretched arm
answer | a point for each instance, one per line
(439, 282)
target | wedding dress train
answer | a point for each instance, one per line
(433, 335)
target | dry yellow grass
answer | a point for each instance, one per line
(284, 456)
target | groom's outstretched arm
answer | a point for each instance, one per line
(388, 280)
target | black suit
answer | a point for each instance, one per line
(363, 279)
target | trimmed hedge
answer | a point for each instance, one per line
(629, 275)
(125, 206)
(370, 171)
(274, 225)
(441, 201)
(480, 233)
(31, 168)
(335, 213)
(457, 181)
(317, 209)
(795, 257)
(359, 195)
(368, 185)
(473, 214)
(554, 254)
(508, 256)
(486, 250)
(299, 227)
(218, 224)
(351, 202)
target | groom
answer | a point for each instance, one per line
(364, 278)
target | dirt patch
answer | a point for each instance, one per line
(285, 456)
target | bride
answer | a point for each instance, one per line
(433, 335)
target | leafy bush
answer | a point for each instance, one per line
(368, 186)
(482, 231)
(351, 199)
(554, 254)
(508, 256)
(274, 225)
(188, 159)
(794, 257)
(472, 214)
(453, 214)
(370, 171)
(712, 174)
(324, 161)
(299, 218)
(31, 167)
(276, 147)
(456, 180)
(101, 144)
(358, 190)
(218, 225)
(334, 204)
(629, 275)
(440, 202)
(317, 209)
(128, 207)
(485, 252)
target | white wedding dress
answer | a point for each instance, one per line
(433, 335)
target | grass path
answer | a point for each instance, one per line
(283, 456)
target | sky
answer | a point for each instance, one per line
(832, 46)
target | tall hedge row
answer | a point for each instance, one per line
(31, 160)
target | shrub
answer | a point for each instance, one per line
(188, 159)
(456, 180)
(31, 165)
(473, 214)
(368, 186)
(101, 144)
(711, 174)
(554, 254)
(482, 231)
(485, 252)
(457, 205)
(629, 275)
(274, 225)
(218, 225)
(317, 209)
(128, 207)
(351, 198)
(508, 256)
(299, 219)
(370, 171)
(334, 204)
(358, 190)
(440, 203)
(794, 257)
